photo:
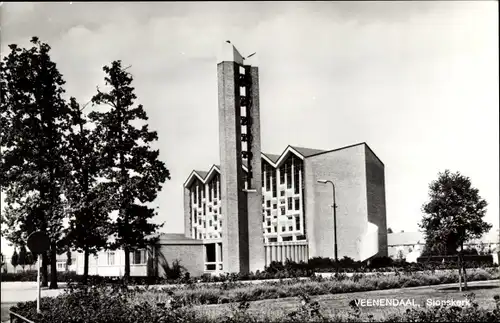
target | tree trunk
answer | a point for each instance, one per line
(53, 267)
(43, 271)
(463, 265)
(459, 274)
(127, 262)
(85, 266)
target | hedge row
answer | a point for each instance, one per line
(275, 270)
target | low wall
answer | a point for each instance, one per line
(189, 252)
(296, 251)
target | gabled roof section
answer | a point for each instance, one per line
(306, 152)
(272, 158)
(202, 173)
(347, 147)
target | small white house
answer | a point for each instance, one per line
(112, 263)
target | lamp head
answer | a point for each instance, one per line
(322, 181)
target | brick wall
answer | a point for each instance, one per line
(375, 192)
(232, 196)
(346, 168)
(256, 253)
(187, 213)
(189, 255)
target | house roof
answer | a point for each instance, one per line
(413, 238)
(405, 238)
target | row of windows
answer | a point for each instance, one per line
(213, 189)
(293, 204)
(137, 257)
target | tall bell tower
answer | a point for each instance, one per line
(239, 144)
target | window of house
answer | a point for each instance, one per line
(290, 228)
(283, 211)
(287, 238)
(268, 203)
(290, 203)
(275, 206)
(138, 257)
(282, 193)
(210, 223)
(273, 239)
(111, 258)
(297, 223)
(268, 212)
(282, 175)
(268, 230)
(275, 229)
(61, 266)
(283, 229)
(297, 204)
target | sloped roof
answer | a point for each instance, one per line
(306, 152)
(202, 173)
(274, 158)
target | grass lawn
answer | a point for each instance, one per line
(332, 303)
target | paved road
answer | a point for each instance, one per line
(14, 292)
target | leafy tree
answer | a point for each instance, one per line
(14, 260)
(389, 230)
(453, 216)
(132, 170)
(30, 259)
(22, 257)
(89, 223)
(32, 167)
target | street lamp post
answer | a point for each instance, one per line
(323, 181)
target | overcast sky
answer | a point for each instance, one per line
(417, 81)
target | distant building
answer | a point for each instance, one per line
(112, 263)
(400, 244)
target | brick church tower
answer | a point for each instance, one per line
(239, 144)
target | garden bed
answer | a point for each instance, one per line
(114, 304)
